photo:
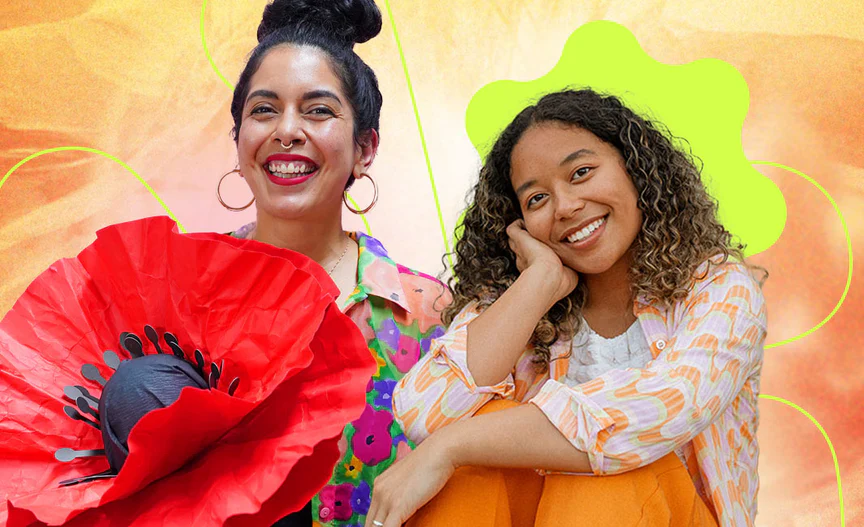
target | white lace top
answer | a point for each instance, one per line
(593, 355)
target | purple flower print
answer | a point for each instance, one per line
(425, 343)
(389, 334)
(361, 498)
(374, 246)
(385, 393)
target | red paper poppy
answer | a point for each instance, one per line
(209, 458)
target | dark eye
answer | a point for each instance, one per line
(581, 172)
(321, 110)
(261, 110)
(533, 200)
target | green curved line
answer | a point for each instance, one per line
(848, 249)
(422, 137)
(362, 216)
(105, 155)
(207, 51)
(827, 440)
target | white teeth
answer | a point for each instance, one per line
(280, 169)
(585, 232)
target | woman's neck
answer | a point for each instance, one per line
(609, 306)
(322, 241)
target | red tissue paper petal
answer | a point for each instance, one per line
(209, 458)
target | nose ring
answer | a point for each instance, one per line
(286, 147)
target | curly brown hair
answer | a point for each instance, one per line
(680, 229)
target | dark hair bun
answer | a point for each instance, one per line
(345, 21)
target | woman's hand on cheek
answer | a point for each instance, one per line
(409, 484)
(532, 253)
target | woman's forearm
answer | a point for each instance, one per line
(497, 338)
(519, 437)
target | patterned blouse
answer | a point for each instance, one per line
(698, 394)
(398, 311)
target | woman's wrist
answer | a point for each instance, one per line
(446, 443)
(544, 281)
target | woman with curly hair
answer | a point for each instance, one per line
(595, 283)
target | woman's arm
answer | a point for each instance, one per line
(519, 437)
(466, 368)
(440, 390)
(497, 338)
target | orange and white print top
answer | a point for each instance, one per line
(698, 394)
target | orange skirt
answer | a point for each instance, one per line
(661, 493)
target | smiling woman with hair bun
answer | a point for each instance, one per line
(306, 111)
(261, 385)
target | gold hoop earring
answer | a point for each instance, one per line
(374, 197)
(219, 194)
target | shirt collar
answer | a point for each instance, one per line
(377, 274)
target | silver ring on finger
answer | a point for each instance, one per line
(376, 523)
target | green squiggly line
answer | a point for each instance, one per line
(207, 51)
(420, 129)
(848, 248)
(827, 440)
(103, 154)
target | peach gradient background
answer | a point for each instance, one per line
(131, 78)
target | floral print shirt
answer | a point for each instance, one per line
(399, 312)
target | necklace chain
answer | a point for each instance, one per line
(251, 236)
(345, 250)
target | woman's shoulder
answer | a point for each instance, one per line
(422, 294)
(730, 280)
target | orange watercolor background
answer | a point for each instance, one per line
(131, 78)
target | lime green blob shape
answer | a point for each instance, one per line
(704, 101)
(105, 155)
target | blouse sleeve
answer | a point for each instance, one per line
(628, 418)
(440, 389)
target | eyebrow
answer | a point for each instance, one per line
(309, 95)
(576, 155)
(524, 186)
(321, 94)
(267, 94)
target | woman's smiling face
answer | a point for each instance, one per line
(296, 99)
(575, 195)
